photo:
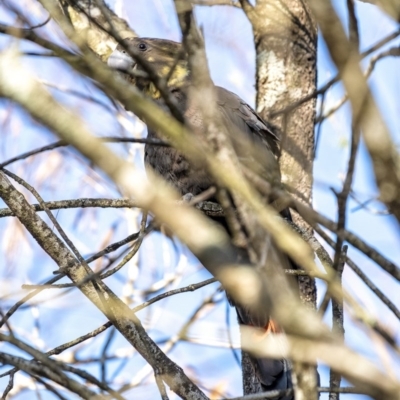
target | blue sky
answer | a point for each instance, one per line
(64, 174)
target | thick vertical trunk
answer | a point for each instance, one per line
(285, 37)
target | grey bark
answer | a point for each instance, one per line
(285, 36)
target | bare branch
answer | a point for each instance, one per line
(117, 311)
(337, 325)
(98, 40)
(47, 367)
(331, 82)
(211, 3)
(62, 143)
(362, 275)
(393, 52)
(47, 211)
(383, 153)
(362, 373)
(76, 203)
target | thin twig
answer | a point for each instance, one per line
(361, 274)
(10, 384)
(210, 3)
(45, 22)
(160, 83)
(76, 93)
(50, 388)
(314, 218)
(181, 335)
(277, 393)
(102, 274)
(319, 125)
(161, 386)
(122, 317)
(110, 248)
(103, 357)
(373, 324)
(393, 52)
(232, 220)
(63, 143)
(189, 288)
(47, 368)
(39, 198)
(228, 330)
(343, 196)
(364, 205)
(337, 325)
(335, 79)
(77, 203)
(354, 35)
(96, 332)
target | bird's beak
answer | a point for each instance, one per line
(120, 61)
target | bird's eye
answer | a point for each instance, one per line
(142, 46)
(123, 52)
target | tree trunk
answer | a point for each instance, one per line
(285, 36)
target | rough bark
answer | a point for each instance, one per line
(285, 36)
(98, 40)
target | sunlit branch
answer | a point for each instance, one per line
(385, 158)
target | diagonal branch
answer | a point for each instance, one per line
(115, 310)
(383, 153)
(364, 374)
(208, 243)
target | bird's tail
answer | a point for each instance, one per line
(272, 374)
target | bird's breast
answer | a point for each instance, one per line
(174, 168)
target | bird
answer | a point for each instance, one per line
(255, 141)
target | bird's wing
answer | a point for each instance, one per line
(255, 141)
(247, 120)
(242, 121)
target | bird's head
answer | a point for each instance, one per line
(162, 55)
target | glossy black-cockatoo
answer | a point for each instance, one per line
(242, 124)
